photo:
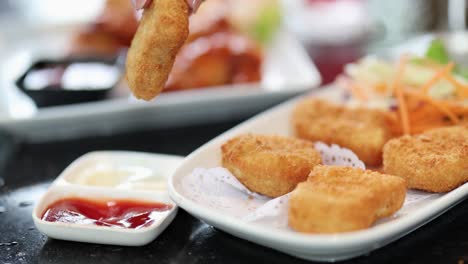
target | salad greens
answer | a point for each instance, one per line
(437, 52)
(375, 72)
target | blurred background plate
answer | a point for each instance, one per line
(286, 72)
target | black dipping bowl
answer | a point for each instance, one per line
(55, 94)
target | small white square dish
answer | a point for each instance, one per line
(102, 234)
(109, 197)
(418, 209)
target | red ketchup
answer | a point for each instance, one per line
(111, 213)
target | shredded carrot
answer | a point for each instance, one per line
(439, 74)
(440, 106)
(462, 90)
(397, 89)
(417, 110)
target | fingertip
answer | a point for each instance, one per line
(194, 5)
(140, 4)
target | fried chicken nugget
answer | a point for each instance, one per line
(435, 161)
(364, 131)
(162, 31)
(340, 199)
(267, 164)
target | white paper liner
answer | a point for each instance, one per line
(218, 189)
(336, 155)
(273, 213)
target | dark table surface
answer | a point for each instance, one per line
(28, 169)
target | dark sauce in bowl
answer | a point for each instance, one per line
(69, 81)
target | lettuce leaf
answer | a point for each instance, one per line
(437, 52)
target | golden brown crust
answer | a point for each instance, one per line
(435, 161)
(162, 31)
(340, 199)
(269, 165)
(364, 131)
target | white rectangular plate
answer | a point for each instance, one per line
(308, 246)
(287, 71)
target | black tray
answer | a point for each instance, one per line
(30, 168)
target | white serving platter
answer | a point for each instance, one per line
(146, 181)
(419, 207)
(287, 71)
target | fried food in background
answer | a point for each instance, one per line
(267, 164)
(88, 43)
(435, 161)
(217, 59)
(119, 19)
(162, 31)
(211, 17)
(113, 30)
(341, 199)
(362, 130)
(216, 53)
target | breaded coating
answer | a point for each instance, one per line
(267, 164)
(435, 161)
(162, 31)
(340, 199)
(364, 131)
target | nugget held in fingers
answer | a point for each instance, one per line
(340, 199)
(435, 161)
(269, 165)
(162, 31)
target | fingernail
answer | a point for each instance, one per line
(139, 4)
(195, 4)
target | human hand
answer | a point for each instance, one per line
(141, 4)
